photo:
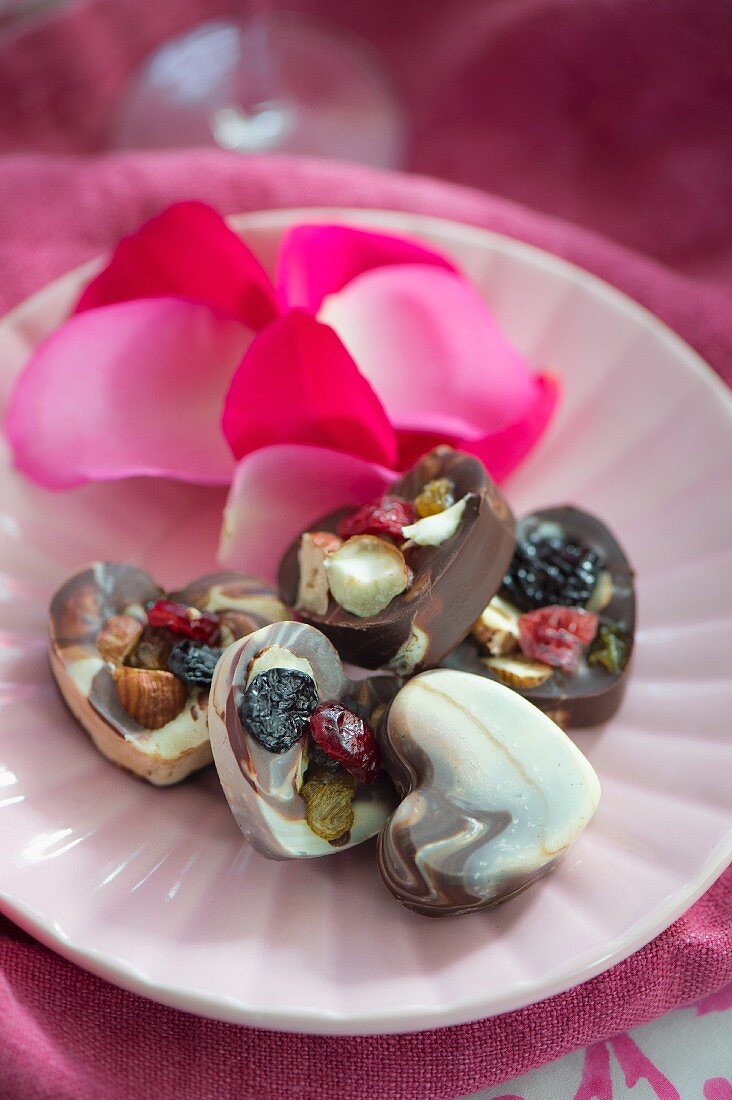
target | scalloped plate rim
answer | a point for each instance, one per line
(414, 1017)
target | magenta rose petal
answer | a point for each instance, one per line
(429, 345)
(187, 251)
(503, 450)
(298, 384)
(278, 491)
(317, 260)
(127, 389)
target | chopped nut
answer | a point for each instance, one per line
(437, 528)
(602, 593)
(234, 625)
(315, 546)
(152, 650)
(497, 629)
(152, 697)
(328, 796)
(436, 496)
(365, 575)
(519, 672)
(118, 638)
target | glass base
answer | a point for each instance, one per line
(291, 85)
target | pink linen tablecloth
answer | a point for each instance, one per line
(66, 1035)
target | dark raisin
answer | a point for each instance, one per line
(319, 758)
(549, 571)
(610, 649)
(276, 707)
(194, 663)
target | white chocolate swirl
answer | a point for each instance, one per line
(494, 793)
(262, 787)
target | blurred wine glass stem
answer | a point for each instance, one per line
(260, 114)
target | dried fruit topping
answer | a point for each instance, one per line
(549, 571)
(328, 797)
(435, 497)
(276, 707)
(386, 516)
(611, 648)
(557, 635)
(201, 626)
(194, 663)
(152, 650)
(345, 737)
(153, 698)
(118, 638)
(320, 759)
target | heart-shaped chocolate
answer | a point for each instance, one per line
(264, 754)
(493, 794)
(112, 669)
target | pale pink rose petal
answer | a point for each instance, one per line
(433, 352)
(501, 451)
(128, 389)
(187, 251)
(316, 260)
(298, 384)
(278, 492)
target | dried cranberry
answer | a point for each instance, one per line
(557, 635)
(386, 516)
(345, 737)
(201, 626)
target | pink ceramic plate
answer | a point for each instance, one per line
(156, 891)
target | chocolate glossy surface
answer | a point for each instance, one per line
(77, 613)
(590, 695)
(493, 794)
(262, 787)
(452, 582)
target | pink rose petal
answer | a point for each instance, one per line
(316, 260)
(187, 251)
(278, 492)
(127, 389)
(298, 384)
(501, 451)
(430, 347)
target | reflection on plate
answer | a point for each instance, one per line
(155, 889)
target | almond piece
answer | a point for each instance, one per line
(315, 547)
(438, 528)
(497, 630)
(365, 575)
(150, 696)
(519, 672)
(602, 593)
(118, 637)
